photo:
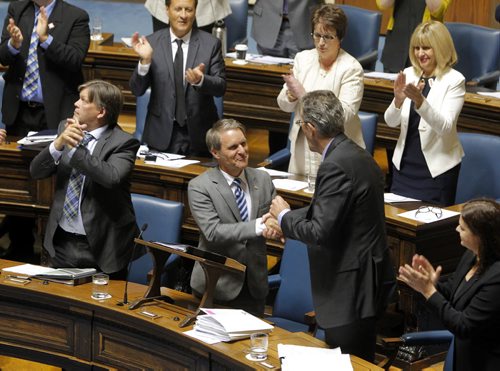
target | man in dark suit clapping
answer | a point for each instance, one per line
(44, 43)
(185, 70)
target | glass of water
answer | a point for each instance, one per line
(259, 342)
(96, 34)
(100, 285)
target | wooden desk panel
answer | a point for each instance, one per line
(61, 325)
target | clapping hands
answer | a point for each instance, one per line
(420, 276)
(295, 88)
(402, 90)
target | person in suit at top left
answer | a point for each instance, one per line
(59, 36)
(179, 112)
(91, 222)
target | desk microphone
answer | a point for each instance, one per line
(125, 297)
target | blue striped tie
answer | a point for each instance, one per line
(72, 200)
(240, 199)
(31, 77)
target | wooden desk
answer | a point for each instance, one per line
(252, 90)
(62, 326)
(21, 195)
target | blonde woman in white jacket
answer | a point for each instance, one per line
(428, 98)
(327, 67)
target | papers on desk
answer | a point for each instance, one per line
(381, 75)
(37, 140)
(263, 59)
(298, 358)
(68, 276)
(176, 164)
(289, 185)
(493, 94)
(229, 324)
(394, 198)
(172, 160)
(273, 172)
(127, 41)
(428, 217)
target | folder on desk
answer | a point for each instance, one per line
(67, 276)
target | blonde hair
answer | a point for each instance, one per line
(435, 35)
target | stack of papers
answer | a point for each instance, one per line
(229, 324)
(68, 276)
(37, 140)
(263, 59)
(296, 357)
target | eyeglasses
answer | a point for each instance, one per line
(437, 211)
(326, 38)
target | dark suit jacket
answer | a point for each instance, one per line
(106, 206)
(201, 110)
(473, 316)
(214, 209)
(60, 65)
(344, 228)
(267, 18)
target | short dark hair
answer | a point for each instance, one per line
(105, 95)
(482, 216)
(168, 2)
(212, 138)
(323, 109)
(332, 16)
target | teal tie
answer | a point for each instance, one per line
(31, 77)
(72, 200)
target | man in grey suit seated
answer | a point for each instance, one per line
(228, 203)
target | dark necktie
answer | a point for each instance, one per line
(72, 200)
(240, 199)
(30, 84)
(180, 103)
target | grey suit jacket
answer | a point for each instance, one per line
(352, 276)
(60, 65)
(200, 106)
(267, 18)
(214, 209)
(106, 206)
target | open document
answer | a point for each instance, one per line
(299, 358)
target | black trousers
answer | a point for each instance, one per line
(357, 338)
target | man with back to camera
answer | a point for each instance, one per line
(352, 276)
(44, 43)
(181, 108)
(228, 203)
(92, 221)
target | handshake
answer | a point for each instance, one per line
(273, 230)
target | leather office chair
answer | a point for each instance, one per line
(369, 122)
(294, 297)
(236, 23)
(480, 173)
(361, 38)
(478, 50)
(141, 111)
(422, 338)
(164, 220)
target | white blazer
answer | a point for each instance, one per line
(438, 124)
(345, 80)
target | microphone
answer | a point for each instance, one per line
(125, 297)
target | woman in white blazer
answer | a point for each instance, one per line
(327, 67)
(428, 98)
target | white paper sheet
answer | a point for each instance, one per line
(494, 94)
(273, 172)
(392, 197)
(381, 75)
(290, 185)
(299, 358)
(206, 338)
(176, 164)
(428, 217)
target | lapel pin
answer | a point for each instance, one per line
(51, 26)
